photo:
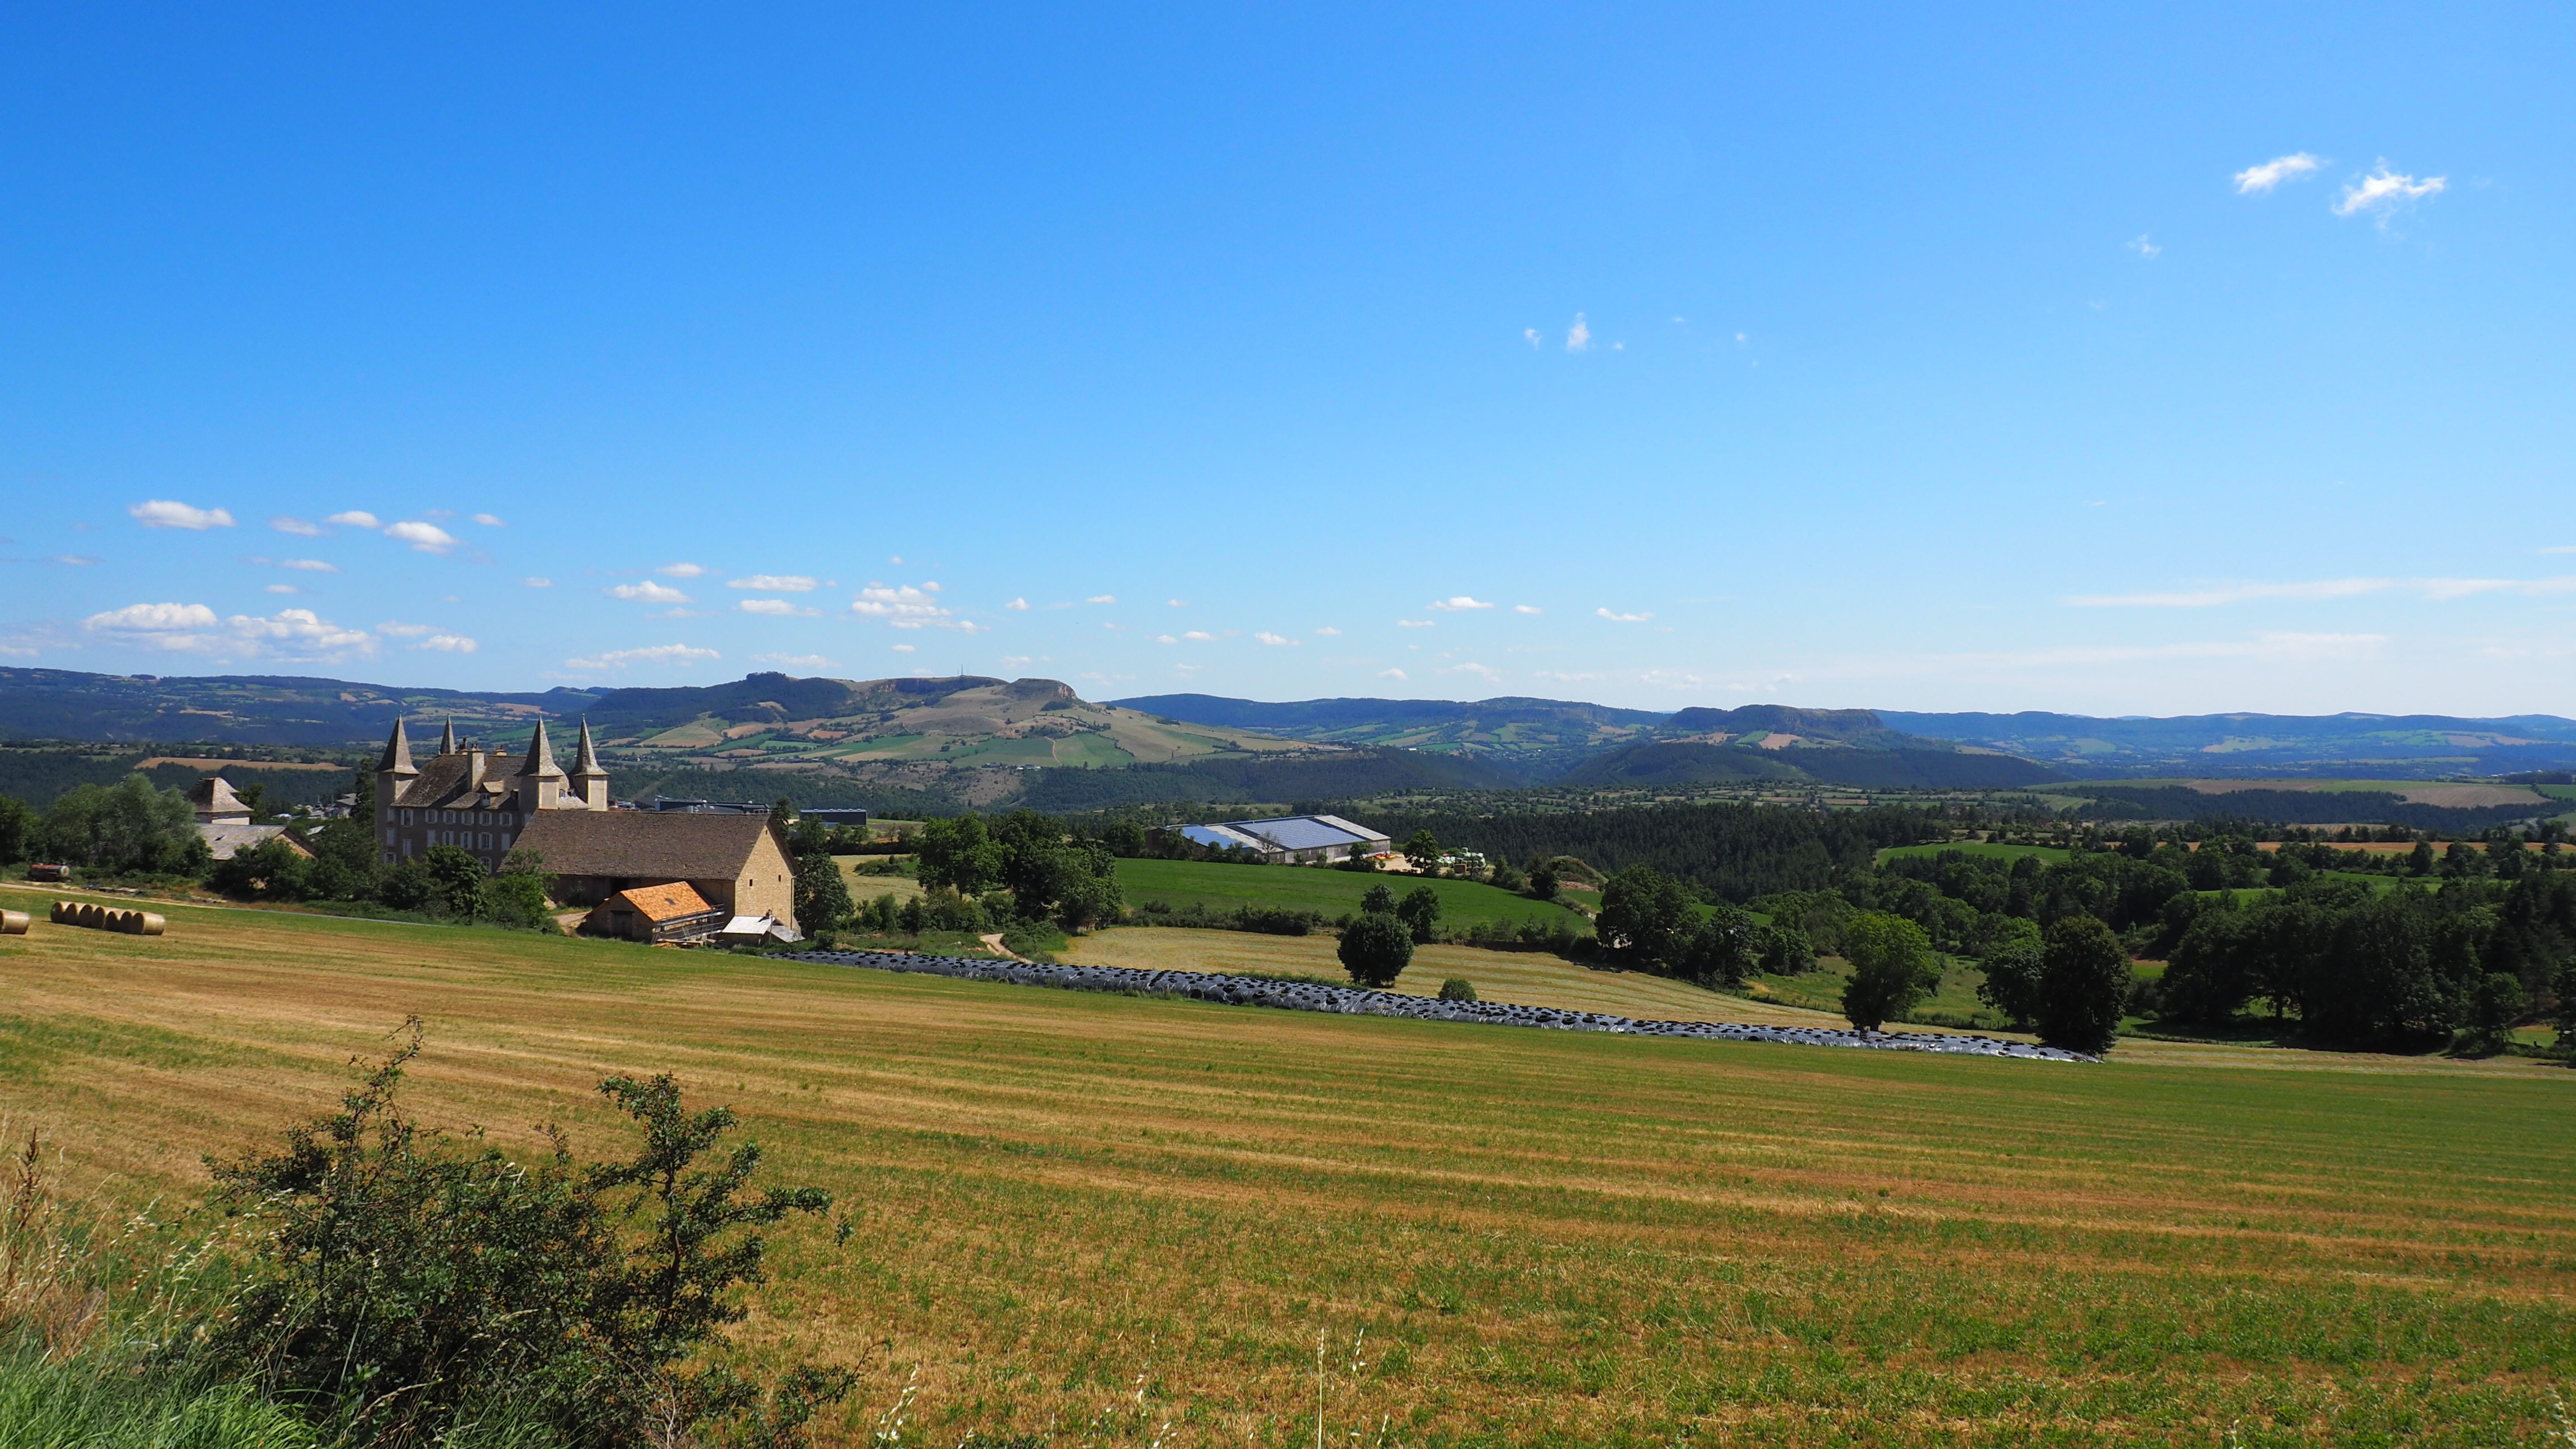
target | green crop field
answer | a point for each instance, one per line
(1095, 1219)
(2048, 854)
(1221, 887)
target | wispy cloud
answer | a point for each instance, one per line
(2384, 192)
(651, 654)
(681, 570)
(1017, 606)
(774, 583)
(1531, 335)
(1165, 639)
(2256, 180)
(1413, 623)
(308, 565)
(1390, 674)
(647, 592)
(282, 589)
(423, 537)
(1622, 618)
(1578, 338)
(780, 608)
(2145, 247)
(793, 661)
(399, 630)
(2233, 594)
(1527, 609)
(488, 521)
(1175, 604)
(534, 582)
(1485, 672)
(448, 644)
(284, 523)
(1102, 599)
(1266, 637)
(1200, 635)
(354, 518)
(169, 513)
(1329, 632)
(76, 560)
(903, 648)
(1459, 602)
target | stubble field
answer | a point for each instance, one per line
(1098, 1219)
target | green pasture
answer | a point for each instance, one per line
(2048, 854)
(1221, 887)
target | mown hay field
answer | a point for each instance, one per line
(1100, 1219)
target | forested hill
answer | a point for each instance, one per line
(2367, 746)
(1736, 851)
(251, 709)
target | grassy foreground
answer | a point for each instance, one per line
(1087, 1218)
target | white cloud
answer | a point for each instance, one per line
(488, 521)
(1266, 637)
(648, 592)
(2145, 248)
(1102, 599)
(652, 654)
(903, 649)
(309, 565)
(1175, 603)
(532, 581)
(1413, 623)
(905, 607)
(1489, 674)
(1390, 674)
(283, 589)
(1165, 639)
(681, 570)
(447, 644)
(82, 560)
(1018, 605)
(166, 513)
(423, 537)
(405, 631)
(1578, 338)
(2462, 588)
(774, 583)
(297, 526)
(931, 585)
(2430, 588)
(1531, 335)
(193, 628)
(2561, 548)
(2256, 180)
(1459, 602)
(2385, 191)
(1623, 618)
(799, 661)
(1200, 635)
(1527, 609)
(1329, 632)
(354, 518)
(779, 607)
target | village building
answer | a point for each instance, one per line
(1291, 839)
(225, 821)
(656, 913)
(489, 804)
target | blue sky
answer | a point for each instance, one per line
(2177, 360)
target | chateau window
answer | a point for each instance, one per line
(406, 815)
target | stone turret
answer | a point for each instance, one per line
(589, 782)
(447, 739)
(540, 781)
(394, 771)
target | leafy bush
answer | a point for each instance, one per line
(399, 1284)
(1457, 988)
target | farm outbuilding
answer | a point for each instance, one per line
(1291, 839)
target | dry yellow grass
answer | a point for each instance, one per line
(1089, 1216)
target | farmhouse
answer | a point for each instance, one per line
(1289, 839)
(737, 864)
(225, 822)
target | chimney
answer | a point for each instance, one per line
(473, 767)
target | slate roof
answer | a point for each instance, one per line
(644, 843)
(663, 903)
(440, 785)
(227, 840)
(214, 795)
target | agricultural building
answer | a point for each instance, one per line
(1291, 839)
(225, 822)
(672, 912)
(737, 864)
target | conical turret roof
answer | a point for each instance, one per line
(540, 763)
(586, 763)
(397, 756)
(447, 739)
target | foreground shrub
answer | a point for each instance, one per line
(400, 1284)
(1457, 988)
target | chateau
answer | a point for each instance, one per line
(463, 798)
(737, 867)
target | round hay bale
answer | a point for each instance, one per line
(64, 913)
(14, 923)
(92, 915)
(147, 923)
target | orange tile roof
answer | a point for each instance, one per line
(659, 903)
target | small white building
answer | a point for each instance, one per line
(1292, 839)
(225, 822)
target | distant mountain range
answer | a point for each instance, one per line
(971, 740)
